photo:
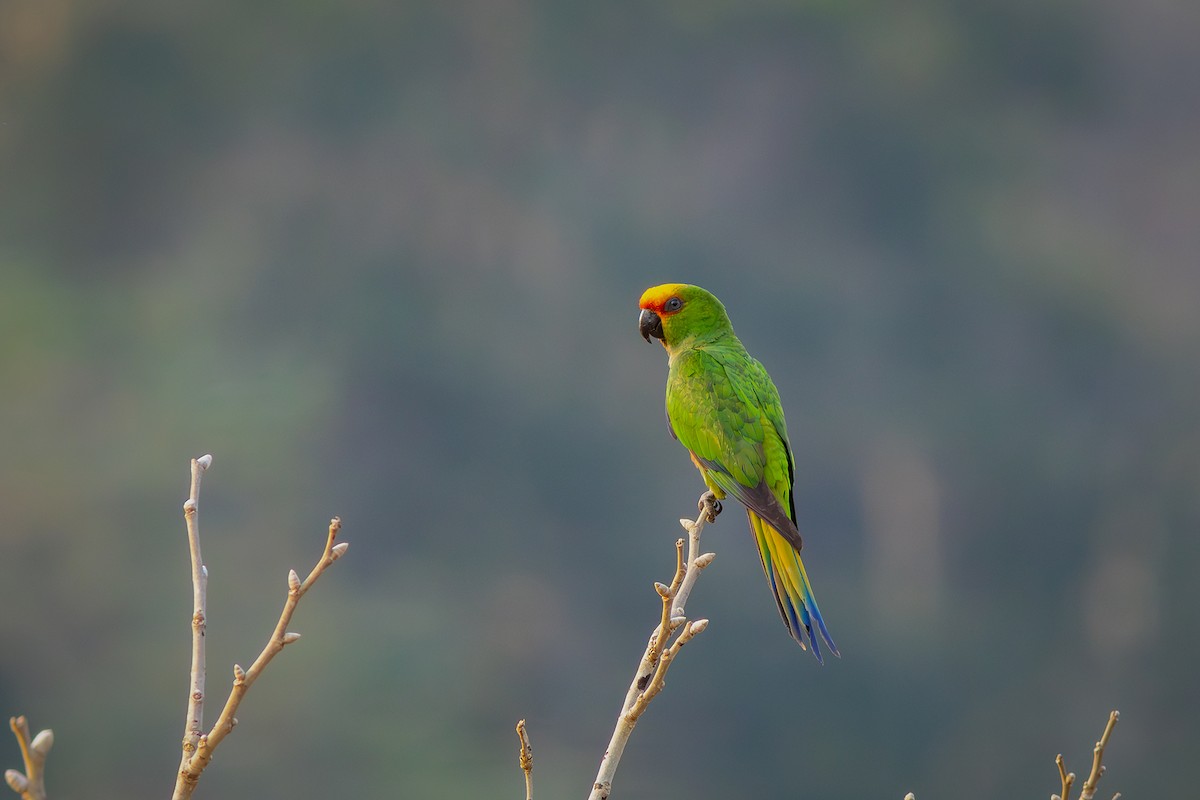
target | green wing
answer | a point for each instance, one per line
(723, 407)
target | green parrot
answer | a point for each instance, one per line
(723, 407)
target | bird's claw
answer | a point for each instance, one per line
(709, 506)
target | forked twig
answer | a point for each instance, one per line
(660, 653)
(1067, 778)
(198, 747)
(30, 784)
(1088, 790)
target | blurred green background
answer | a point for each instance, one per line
(383, 259)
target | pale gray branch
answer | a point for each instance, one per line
(30, 784)
(198, 746)
(660, 653)
(194, 721)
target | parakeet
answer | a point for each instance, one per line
(723, 407)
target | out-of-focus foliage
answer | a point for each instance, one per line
(382, 259)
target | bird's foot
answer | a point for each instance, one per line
(709, 506)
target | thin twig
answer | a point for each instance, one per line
(667, 593)
(526, 759)
(204, 744)
(194, 721)
(658, 680)
(1088, 790)
(650, 676)
(1067, 778)
(31, 784)
(708, 508)
(1089, 786)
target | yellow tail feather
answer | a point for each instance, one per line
(789, 582)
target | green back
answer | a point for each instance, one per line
(724, 408)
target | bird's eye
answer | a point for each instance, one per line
(674, 304)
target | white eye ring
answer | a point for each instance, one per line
(674, 304)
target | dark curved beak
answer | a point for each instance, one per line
(649, 324)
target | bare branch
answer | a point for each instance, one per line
(198, 746)
(1088, 791)
(708, 508)
(31, 784)
(1089, 786)
(1067, 778)
(651, 672)
(526, 759)
(194, 721)
(667, 593)
(658, 679)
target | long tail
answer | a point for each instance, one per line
(789, 582)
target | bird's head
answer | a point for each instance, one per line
(677, 312)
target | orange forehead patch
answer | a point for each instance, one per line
(654, 297)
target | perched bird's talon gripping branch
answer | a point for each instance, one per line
(710, 506)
